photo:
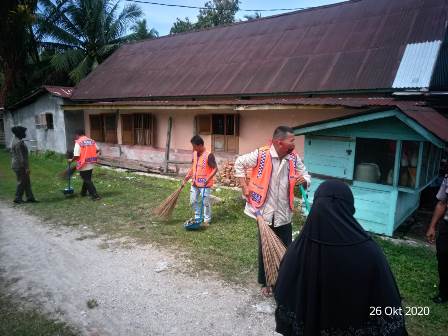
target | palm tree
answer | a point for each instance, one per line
(141, 32)
(83, 33)
(17, 46)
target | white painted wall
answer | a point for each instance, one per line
(39, 138)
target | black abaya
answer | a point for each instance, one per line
(334, 276)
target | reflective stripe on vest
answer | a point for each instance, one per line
(87, 153)
(201, 170)
(261, 177)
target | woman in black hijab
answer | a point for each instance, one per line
(333, 276)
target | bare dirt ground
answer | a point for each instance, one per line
(139, 290)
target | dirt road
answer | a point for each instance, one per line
(140, 290)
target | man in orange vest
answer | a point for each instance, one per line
(85, 155)
(276, 170)
(201, 173)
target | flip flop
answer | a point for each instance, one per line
(266, 291)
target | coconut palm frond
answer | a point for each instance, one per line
(82, 69)
(85, 32)
(67, 60)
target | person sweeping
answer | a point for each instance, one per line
(276, 170)
(85, 154)
(201, 173)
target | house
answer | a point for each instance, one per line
(234, 84)
(49, 127)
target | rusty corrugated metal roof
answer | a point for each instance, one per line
(355, 45)
(59, 91)
(430, 119)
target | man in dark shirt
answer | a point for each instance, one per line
(440, 220)
(20, 165)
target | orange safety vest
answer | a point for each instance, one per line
(201, 170)
(261, 176)
(88, 151)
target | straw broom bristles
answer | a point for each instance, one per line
(165, 209)
(273, 250)
(70, 170)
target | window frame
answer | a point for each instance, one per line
(424, 175)
(44, 120)
(100, 134)
(131, 139)
(202, 120)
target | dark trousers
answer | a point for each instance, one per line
(284, 232)
(442, 258)
(23, 184)
(87, 184)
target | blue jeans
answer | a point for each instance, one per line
(196, 203)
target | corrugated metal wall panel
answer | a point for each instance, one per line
(417, 65)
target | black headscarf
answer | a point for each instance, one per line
(333, 273)
(19, 131)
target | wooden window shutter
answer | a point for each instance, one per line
(110, 129)
(127, 129)
(96, 127)
(204, 124)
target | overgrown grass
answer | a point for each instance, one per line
(18, 320)
(228, 246)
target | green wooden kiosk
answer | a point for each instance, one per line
(387, 157)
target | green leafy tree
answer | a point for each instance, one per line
(17, 46)
(83, 33)
(215, 13)
(141, 32)
(181, 26)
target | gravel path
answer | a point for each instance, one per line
(139, 290)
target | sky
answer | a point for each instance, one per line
(162, 18)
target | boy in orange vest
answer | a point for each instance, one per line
(276, 170)
(85, 155)
(202, 173)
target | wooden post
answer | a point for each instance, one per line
(168, 142)
(397, 164)
(419, 165)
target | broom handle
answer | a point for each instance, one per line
(69, 175)
(305, 198)
(202, 206)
